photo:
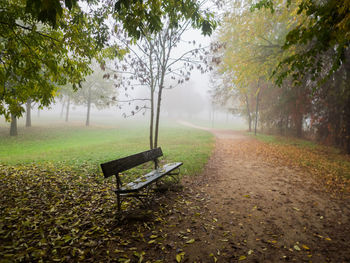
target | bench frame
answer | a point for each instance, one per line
(132, 189)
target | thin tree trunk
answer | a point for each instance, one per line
(151, 120)
(88, 108)
(13, 127)
(62, 109)
(67, 110)
(152, 100)
(158, 115)
(248, 112)
(28, 113)
(38, 113)
(299, 125)
(256, 111)
(165, 58)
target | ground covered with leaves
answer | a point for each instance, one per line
(255, 202)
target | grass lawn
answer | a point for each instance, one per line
(55, 205)
(78, 146)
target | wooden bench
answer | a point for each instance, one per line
(132, 189)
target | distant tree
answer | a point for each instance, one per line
(252, 48)
(98, 89)
(152, 60)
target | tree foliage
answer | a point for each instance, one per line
(49, 43)
(36, 58)
(309, 60)
(324, 26)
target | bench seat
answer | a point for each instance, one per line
(115, 167)
(147, 179)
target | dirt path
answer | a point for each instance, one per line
(245, 208)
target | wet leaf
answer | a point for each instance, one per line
(306, 247)
(190, 241)
(296, 247)
(180, 256)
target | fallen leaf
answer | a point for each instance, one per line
(296, 247)
(306, 247)
(242, 258)
(180, 256)
(190, 241)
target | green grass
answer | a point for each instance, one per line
(78, 146)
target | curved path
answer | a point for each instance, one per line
(256, 211)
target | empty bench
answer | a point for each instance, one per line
(134, 188)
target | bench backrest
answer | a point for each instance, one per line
(126, 163)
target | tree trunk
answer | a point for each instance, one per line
(28, 113)
(13, 127)
(248, 113)
(151, 120)
(281, 126)
(299, 125)
(152, 88)
(67, 110)
(38, 113)
(62, 109)
(256, 111)
(88, 108)
(158, 115)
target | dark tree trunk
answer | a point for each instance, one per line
(88, 108)
(13, 127)
(151, 120)
(299, 125)
(67, 110)
(248, 113)
(158, 115)
(286, 126)
(256, 111)
(152, 100)
(28, 113)
(281, 126)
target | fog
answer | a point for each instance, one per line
(189, 101)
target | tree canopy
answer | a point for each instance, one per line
(49, 43)
(324, 28)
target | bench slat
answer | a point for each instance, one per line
(148, 178)
(126, 163)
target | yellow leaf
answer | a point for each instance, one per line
(306, 247)
(190, 241)
(328, 239)
(242, 258)
(180, 256)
